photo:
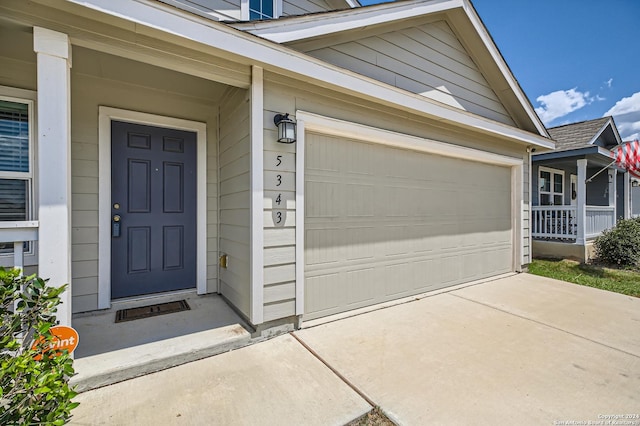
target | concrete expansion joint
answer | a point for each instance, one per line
(547, 325)
(346, 381)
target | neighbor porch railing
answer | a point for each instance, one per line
(557, 222)
(562, 222)
(18, 233)
(599, 218)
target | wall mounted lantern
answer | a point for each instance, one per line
(286, 128)
(635, 183)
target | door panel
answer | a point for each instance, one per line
(153, 195)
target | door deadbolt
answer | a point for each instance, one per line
(116, 218)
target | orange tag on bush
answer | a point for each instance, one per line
(63, 338)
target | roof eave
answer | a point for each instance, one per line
(577, 152)
(288, 62)
(296, 28)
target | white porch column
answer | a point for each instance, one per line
(581, 202)
(626, 193)
(257, 195)
(53, 51)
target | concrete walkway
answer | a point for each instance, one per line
(518, 350)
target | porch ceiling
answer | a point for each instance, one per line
(595, 156)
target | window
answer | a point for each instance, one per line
(262, 9)
(16, 168)
(551, 187)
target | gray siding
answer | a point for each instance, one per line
(598, 188)
(279, 221)
(635, 201)
(222, 10)
(18, 59)
(235, 164)
(300, 7)
(226, 10)
(427, 60)
(620, 183)
(94, 84)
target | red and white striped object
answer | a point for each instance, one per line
(627, 156)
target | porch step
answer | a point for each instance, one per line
(119, 365)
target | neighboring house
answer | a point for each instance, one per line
(140, 152)
(579, 191)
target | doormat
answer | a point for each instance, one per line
(151, 311)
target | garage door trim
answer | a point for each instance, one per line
(334, 127)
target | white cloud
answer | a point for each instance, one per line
(626, 112)
(608, 82)
(560, 103)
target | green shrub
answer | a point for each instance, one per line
(33, 390)
(620, 245)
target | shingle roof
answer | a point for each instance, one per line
(576, 135)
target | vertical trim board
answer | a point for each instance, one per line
(257, 190)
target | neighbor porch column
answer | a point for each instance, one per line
(581, 202)
(626, 193)
(613, 185)
(53, 51)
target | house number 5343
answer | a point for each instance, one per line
(278, 215)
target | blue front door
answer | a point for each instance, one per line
(153, 209)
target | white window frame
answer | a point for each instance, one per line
(244, 9)
(27, 97)
(551, 193)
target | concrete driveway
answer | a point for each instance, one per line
(518, 350)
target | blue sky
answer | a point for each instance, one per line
(576, 60)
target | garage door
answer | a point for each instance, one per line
(382, 223)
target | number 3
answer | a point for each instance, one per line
(279, 177)
(278, 217)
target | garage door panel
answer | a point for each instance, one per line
(361, 200)
(323, 294)
(316, 194)
(398, 280)
(325, 246)
(383, 223)
(361, 243)
(361, 286)
(426, 273)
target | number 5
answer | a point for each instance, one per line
(279, 160)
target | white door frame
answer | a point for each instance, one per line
(106, 115)
(307, 121)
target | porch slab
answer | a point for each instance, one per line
(111, 352)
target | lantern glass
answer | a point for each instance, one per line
(286, 128)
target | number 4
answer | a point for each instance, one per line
(279, 199)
